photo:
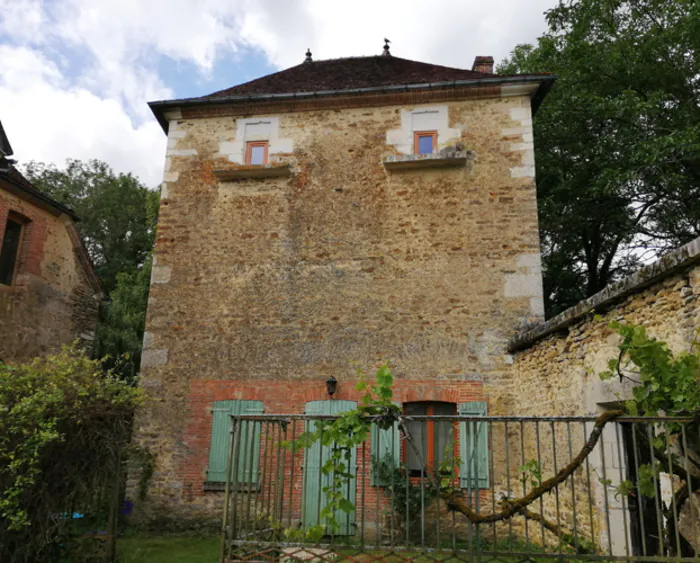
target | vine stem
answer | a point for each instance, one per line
(512, 507)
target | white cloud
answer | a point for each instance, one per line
(49, 121)
(22, 20)
(100, 111)
(448, 32)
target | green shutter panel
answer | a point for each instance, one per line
(248, 457)
(473, 447)
(385, 448)
(315, 481)
(221, 438)
(312, 497)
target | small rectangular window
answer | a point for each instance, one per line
(424, 142)
(9, 254)
(432, 437)
(256, 153)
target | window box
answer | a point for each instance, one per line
(417, 161)
(254, 171)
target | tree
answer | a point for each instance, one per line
(116, 212)
(119, 334)
(618, 139)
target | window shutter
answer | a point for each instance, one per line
(385, 448)
(314, 482)
(249, 437)
(473, 447)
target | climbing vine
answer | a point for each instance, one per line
(342, 435)
(665, 384)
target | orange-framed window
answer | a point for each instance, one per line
(435, 438)
(11, 248)
(424, 142)
(256, 152)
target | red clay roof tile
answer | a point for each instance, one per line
(348, 73)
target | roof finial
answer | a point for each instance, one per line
(308, 58)
(386, 52)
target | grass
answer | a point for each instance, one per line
(146, 548)
(164, 548)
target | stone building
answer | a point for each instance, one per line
(335, 215)
(49, 292)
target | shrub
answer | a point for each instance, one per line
(64, 423)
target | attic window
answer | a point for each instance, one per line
(424, 142)
(256, 153)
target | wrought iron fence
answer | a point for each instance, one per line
(631, 495)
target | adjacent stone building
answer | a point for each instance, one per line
(49, 292)
(335, 215)
(559, 362)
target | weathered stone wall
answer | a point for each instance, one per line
(558, 362)
(52, 301)
(342, 264)
(555, 373)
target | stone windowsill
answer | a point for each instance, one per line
(218, 486)
(417, 161)
(254, 171)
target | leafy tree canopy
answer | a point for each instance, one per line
(118, 218)
(618, 139)
(117, 212)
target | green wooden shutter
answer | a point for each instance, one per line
(385, 447)
(249, 438)
(314, 481)
(473, 447)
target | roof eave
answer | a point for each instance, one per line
(545, 82)
(37, 198)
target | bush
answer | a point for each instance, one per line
(64, 424)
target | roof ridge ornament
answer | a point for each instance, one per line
(308, 58)
(386, 52)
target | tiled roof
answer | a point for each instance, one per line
(356, 75)
(15, 177)
(5, 148)
(349, 73)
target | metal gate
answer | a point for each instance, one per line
(633, 497)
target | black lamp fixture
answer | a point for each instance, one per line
(331, 385)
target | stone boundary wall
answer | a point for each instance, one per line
(669, 264)
(556, 363)
(559, 359)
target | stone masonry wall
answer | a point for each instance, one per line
(343, 264)
(52, 300)
(561, 367)
(556, 367)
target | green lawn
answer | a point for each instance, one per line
(168, 549)
(163, 548)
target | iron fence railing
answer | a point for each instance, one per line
(633, 497)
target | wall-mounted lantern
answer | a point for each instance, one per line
(331, 385)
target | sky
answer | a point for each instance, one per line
(76, 75)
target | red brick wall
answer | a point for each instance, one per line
(290, 397)
(51, 301)
(31, 254)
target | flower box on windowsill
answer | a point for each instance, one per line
(416, 161)
(254, 171)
